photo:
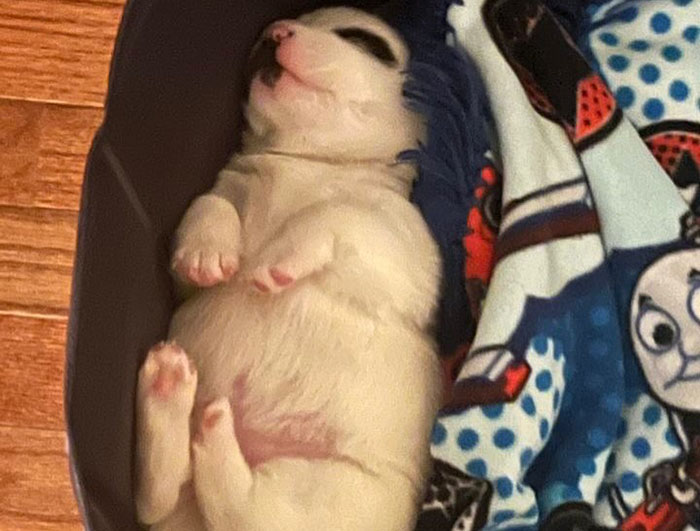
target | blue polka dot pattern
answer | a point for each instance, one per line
(544, 380)
(477, 468)
(652, 415)
(439, 434)
(503, 438)
(528, 405)
(572, 493)
(531, 512)
(660, 23)
(640, 448)
(678, 90)
(556, 399)
(671, 438)
(612, 402)
(609, 38)
(671, 53)
(468, 439)
(629, 482)
(544, 428)
(618, 62)
(682, 2)
(526, 457)
(504, 487)
(540, 344)
(690, 34)
(653, 109)
(586, 466)
(624, 96)
(503, 516)
(492, 412)
(597, 438)
(638, 45)
(649, 73)
(600, 316)
(598, 348)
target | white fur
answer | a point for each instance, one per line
(324, 284)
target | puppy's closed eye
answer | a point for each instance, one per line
(369, 42)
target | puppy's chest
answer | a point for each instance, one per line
(274, 201)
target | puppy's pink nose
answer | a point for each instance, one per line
(281, 31)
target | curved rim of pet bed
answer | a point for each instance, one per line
(172, 117)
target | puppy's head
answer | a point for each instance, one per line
(329, 84)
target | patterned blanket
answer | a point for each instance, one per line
(573, 396)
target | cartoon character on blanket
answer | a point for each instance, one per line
(586, 360)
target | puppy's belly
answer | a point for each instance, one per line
(290, 364)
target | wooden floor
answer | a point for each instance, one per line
(54, 61)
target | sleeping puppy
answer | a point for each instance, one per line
(298, 390)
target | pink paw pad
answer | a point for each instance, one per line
(171, 366)
(280, 278)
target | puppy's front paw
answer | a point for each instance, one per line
(288, 260)
(168, 378)
(205, 265)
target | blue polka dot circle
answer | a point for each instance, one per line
(682, 2)
(526, 457)
(503, 438)
(544, 428)
(671, 438)
(629, 482)
(492, 412)
(477, 468)
(467, 439)
(503, 516)
(609, 38)
(556, 399)
(652, 415)
(586, 466)
(660, 23)
(624, 96)
(653, 108)
(649, 73)
(544, 380)
(671, 53)
(600, 316)
(598, 348)
(678, 90)
(641, 448)
(504, 487)
(690, 34)
(539, 343)
(618, 62)
(528, 405)
(439, 434)
(597, 438)
(638, 45)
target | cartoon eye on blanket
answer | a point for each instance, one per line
(665, 324)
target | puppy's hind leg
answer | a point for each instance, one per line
(222, 478)
(166, 390)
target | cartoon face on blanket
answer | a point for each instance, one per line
(300, 382)
(665, 328)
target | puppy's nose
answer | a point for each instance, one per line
(281, 31)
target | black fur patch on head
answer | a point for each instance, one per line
(369, 42)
